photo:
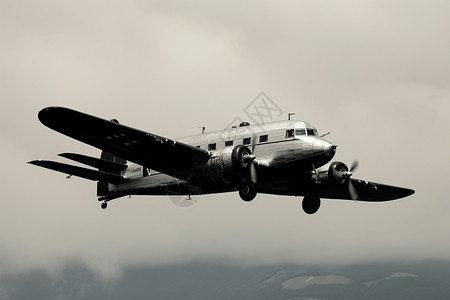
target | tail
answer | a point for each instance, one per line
(103, 186)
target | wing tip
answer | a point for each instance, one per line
(402, 193)
(409, 192)
(46, 114)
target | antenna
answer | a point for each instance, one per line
(289, 115)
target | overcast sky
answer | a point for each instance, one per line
(374, 73)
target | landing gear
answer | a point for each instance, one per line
(247, 191)
(311, 204)
(104, 205)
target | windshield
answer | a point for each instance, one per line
(300, 132)
(307, 131)
(311, 131)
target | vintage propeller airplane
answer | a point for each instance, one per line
(279, 158)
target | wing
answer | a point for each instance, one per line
(367, 191)
(152, 151)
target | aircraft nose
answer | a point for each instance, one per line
(328, 148)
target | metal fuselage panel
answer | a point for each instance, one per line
(280, 150)
(291, 157)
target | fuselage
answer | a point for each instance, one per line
(276, 142)
(289, 149)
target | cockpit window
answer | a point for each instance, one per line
(289, 133)
(311, 131)
(300, 132)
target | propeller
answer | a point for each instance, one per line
(251, 159)
(354, 166)
(351, 188)
(253, 176)
(345, 175)
(352, 191)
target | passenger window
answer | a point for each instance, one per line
(246, 141)
(212, 146)
(263, 138)
(289, 133)
(228, 143)
(300, 132)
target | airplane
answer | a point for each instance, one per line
(278, 158)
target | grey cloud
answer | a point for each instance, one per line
(375, 74)
(212, 280)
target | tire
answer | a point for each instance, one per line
(247, 192)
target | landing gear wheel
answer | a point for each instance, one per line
(104, 205)
(247, 192)
(311, 204)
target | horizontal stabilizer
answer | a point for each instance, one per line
(78, 171)
(101, 164)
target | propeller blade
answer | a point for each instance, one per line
(352, 191)
(354, 166)
(253, 176)
(253, 143)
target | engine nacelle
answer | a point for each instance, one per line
(229, 162)
(336, 173)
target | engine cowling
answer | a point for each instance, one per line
(230, 162)
(336, 173)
